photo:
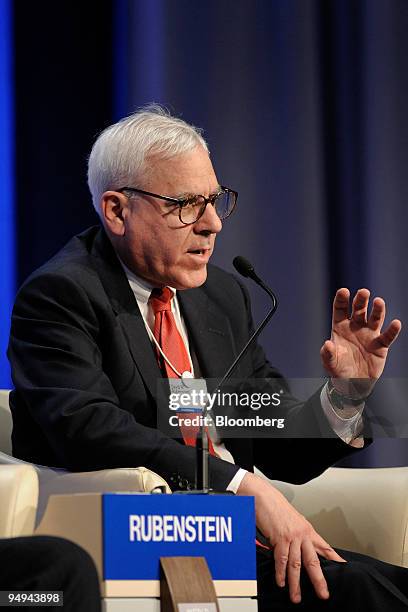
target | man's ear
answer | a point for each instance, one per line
(112, 206)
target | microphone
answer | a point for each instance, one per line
(246, 269)
(243, 266)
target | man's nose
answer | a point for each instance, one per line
(210, 222)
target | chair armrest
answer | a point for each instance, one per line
(19, 498)
(6, 423)
(363, 510)
(54, 481)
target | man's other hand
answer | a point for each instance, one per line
(294, 541)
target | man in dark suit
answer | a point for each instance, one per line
(89, 343)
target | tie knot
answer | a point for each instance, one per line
(160, 299)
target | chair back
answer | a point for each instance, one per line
(6, 422)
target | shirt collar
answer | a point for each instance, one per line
(140, 287)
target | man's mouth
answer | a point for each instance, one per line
(199, 251)
(202, 255)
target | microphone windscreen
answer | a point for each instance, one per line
(243, 266)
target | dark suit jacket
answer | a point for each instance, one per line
(85, 373)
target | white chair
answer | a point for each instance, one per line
(363, 510)
(6, 423)
(56, 480)
(19, 498)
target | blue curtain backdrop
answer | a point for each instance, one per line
(7, 252)
(304, 104)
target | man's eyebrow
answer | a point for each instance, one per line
(184, 194)
(189, 194)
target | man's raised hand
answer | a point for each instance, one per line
(358, 348)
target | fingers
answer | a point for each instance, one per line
(359, 314)
(311, 564)
(325, 550)
(341, 305)
(281, 556)
(328, 354)
(388, 336)
(294, 567)
(360, 306)
(289, 560)
(377, 315)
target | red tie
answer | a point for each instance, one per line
(167, 334)
(172, 345)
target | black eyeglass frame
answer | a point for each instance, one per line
(182, 202)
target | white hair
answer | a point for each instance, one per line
(119, 155)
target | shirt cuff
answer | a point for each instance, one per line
(347, 429)
(236, 481)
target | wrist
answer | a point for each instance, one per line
(248, 484)
(252, 484)
(349, 392)
(259, 488)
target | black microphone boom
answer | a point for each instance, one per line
(245, 268)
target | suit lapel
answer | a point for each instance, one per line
(209, 330)
(127, 312)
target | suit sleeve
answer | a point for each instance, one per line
(63, 395)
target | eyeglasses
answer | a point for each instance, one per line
(193, 207)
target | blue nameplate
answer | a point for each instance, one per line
(139, 529)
